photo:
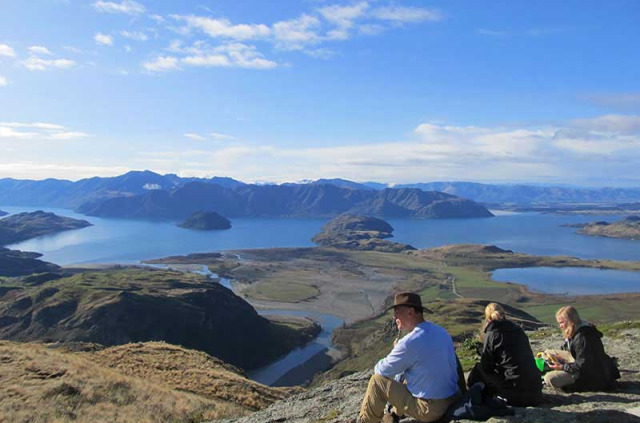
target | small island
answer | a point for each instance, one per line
(206, 221)
(628, 228)
(359, 233)
(22, 226)
(3, 213)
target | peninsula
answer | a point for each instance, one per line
(628, 228)
(22, 226)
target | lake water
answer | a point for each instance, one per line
(571, 280)
(129, 241)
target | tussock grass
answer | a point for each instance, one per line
(188, 370)
(140, 383)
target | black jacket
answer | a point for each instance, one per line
(507, 357)
(592, 365)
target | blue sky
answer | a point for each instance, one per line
(391, 91)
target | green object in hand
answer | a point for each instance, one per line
(540, 363)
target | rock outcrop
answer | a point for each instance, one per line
(339, 401)
(23, 226)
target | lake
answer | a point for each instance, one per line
(571, 280)
(130, 241)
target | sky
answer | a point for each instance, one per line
(394, 91)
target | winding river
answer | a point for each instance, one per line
(299, 365)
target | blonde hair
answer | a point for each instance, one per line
(494, 311)
(570, 314)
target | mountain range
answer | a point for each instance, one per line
(284, 201)
(148, 194)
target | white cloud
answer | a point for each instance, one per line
(245, 56)
(220, 136)
(306, 33)
(3, 81)
(344, 16)
(7, 51)
(162, 64)
(295, 33)
(406, 14)
(9, 132)
(157, 18)
(103, 39)
(38, 130)
(40, 50)
(370, 29)
(41, 170)
(201, 54)
(67, 135)
(222, 28)
(39, 64)
(127, 7)
(135, 35)
(194, 136)
(207, 60)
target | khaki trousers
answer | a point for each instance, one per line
(558, 379)
(382, 390)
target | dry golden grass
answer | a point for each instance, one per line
(138, 383)
(190, 371)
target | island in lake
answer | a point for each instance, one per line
(206, 221)
(22, 226)
(359, 233)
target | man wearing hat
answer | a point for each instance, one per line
(426, 358)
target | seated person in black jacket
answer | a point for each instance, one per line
(588, 368)
(507, 366)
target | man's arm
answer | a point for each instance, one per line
(398, 360)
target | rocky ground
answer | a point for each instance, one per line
(339, 401)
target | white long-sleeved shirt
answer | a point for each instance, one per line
(427, 358)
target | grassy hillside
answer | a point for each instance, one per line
(147, 382)
(123, 305)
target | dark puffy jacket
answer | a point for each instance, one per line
(592, 365)
(507, 357)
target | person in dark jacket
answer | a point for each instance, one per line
(507, 366)
(588, 368)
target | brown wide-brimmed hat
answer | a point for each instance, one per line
(408, 299)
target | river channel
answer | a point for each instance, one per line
(299, 365)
